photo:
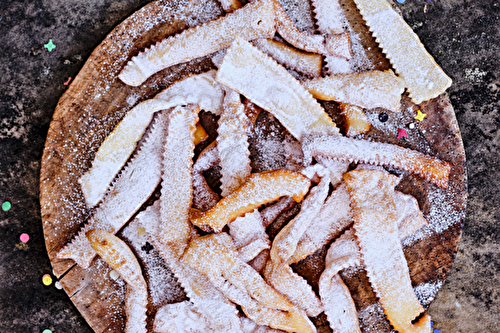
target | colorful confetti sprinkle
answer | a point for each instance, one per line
(47, 279)
(141, 231)
(401, 1)
(420, 116)
(402, 133)
(58, 285)
(67, 82)
(24, 238)
(47, 331)
(6, 206)
(411, 126)
(50, 45)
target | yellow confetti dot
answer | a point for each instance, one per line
(47, 279)
(141, 231)
(420, 116)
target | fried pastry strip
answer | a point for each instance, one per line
(118, 255)
(249, 235)
(131, 189)
(219, 312)
(255, 20)
(409, 217)
(369, 90)
(242, 70)
(339, 306)
(201, 89)
(260, 188)
(259, 19)
(215, 256)
(378, 153)
(303, 62)
(269, 214)
(278, 273)
(232, 144)
(344, 253)
(422, 75)
(116, 149)
(374, 212)
(204, 197)
(338, 44)
(333, 218)
(176, 186)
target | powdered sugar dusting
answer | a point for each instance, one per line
(163, 287)
(426, 292)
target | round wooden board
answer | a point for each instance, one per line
(97, 99)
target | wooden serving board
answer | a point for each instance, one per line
(97, 99)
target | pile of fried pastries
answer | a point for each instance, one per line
(237, 279)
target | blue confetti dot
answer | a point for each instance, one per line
(401, 1)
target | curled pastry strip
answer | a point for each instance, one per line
(278, 273)
(369, 90)
(249, 235)
(378, 153)
(409, 217)
(118, 255)
(176, 186)
(232, 144)
(269, 214)
(380, 246)
(130, 190)
(333, 218)
(116, 149)
(422, 75)
(285, 243)
(204, 197)
(306, 63)
(215, 256)
(339, 306)
(260, 188)
(281, 94)
(338, 44)
(212, 305)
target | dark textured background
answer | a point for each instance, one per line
(462, 35)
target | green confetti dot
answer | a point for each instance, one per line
(6, 206)
(50, 46)
(47, 331)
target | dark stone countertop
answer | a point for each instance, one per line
(463, 35)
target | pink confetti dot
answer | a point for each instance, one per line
(24, 238)
(402, 133)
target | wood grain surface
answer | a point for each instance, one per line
(97, 99)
